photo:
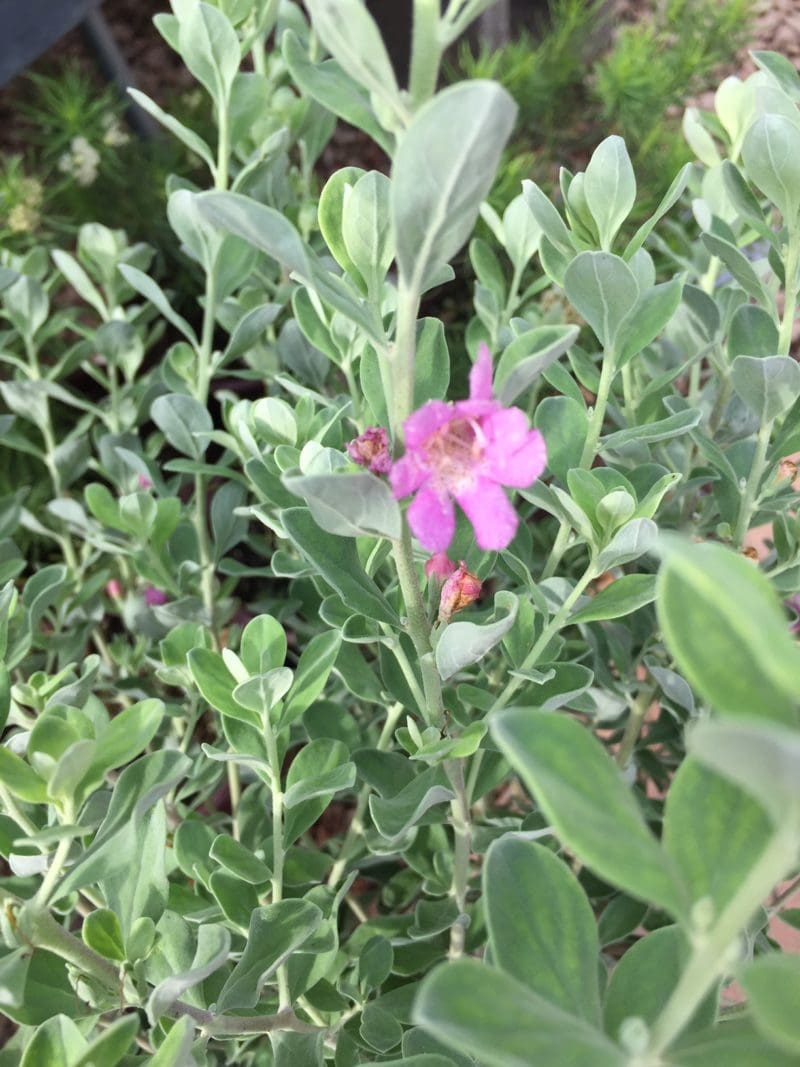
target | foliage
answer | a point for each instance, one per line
(657, 62)
(265, 799)
(545, 77)
(569, 85)
(73, 138)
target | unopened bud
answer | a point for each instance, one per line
(787, 470)
(439, 566)
(371, 450)
(459, 591)
(114, 589)
(782, 476)
(154, 597)
(143, 482)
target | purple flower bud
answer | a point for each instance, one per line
(154, 597)
(371, 450)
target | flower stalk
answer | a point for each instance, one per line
(276, 795)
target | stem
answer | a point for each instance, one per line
(418, 628)
(460, 14)
(547, 634)
(39, 929)
(708, 281)
(627, 393)
(709, 959)
(513, 293)
(235, 791)
(407, 672)
(426, 51)
(749, 497)
(637, 712)
(790, 295)
(231, 1025)
(607, 372)
(258, 55)
(207, 336)
(284, 1000)
(356, 827)
(355, 393)
(560, 545)
(462, 829)
(47, 888)
(48, 436)
(202, 387)
(474, 771)
(223, 148)
(113, 389)
(400, 402)
(204, 546)
(11, 807)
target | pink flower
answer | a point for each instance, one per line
(467, 452)
(439, 567)
(371, 450)
(154, 597)
(143, 482)
(460, 590)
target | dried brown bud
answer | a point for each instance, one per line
(787, 470)
(460, 590)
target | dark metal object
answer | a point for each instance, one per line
(29, 27)
(496, 26)
(113, 65)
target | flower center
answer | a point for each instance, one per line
(453, 452)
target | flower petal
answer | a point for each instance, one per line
(427, 420)
(432, 520)
(505, 428)
(475, 409)
(514, 455)
(489, 510)
(406, 475)
(480, 377)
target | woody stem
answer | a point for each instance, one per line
(418, 627)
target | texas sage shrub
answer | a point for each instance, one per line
(354, 715)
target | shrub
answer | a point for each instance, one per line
(354, 716)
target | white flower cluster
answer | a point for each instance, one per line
(24, 216)
(115, 135)
(81, 162)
